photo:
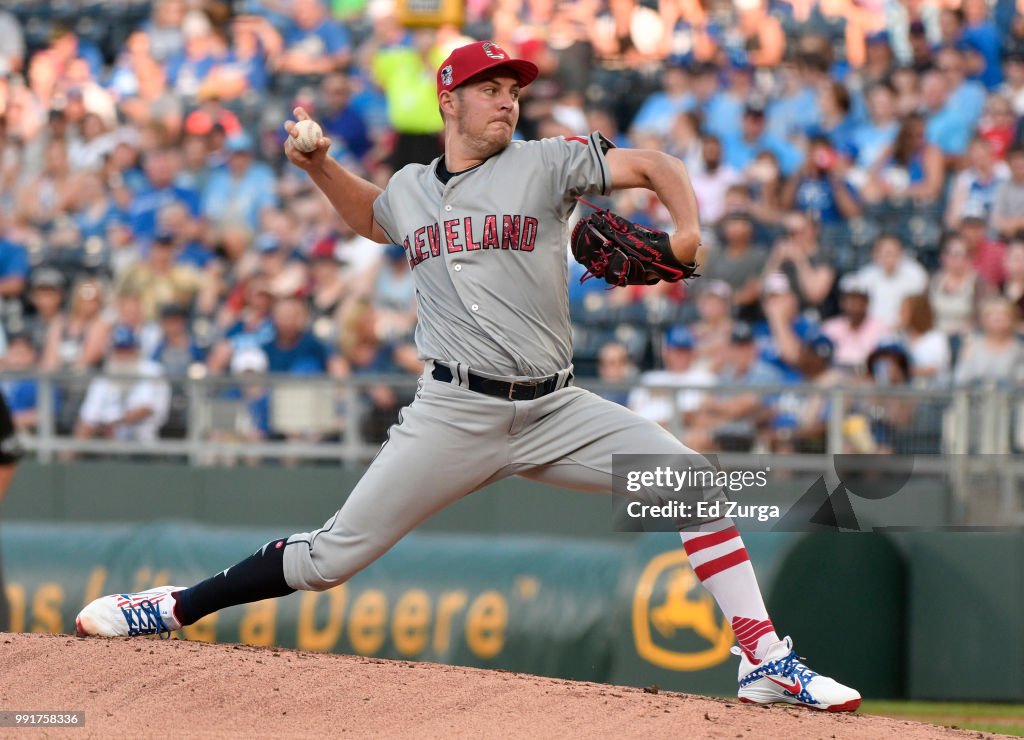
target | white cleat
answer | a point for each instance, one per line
(128, 615)
(781, 677)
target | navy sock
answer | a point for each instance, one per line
(259, 576)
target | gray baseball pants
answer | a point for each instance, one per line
(451, 441)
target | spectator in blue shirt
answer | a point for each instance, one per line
(911, 168)
(835, 121)
(661, 108)
(801, 421)
(202, 52)
(158, 192)
(966, 97)
(981, 36)
(345, 125)
(164, 28)
(13, 268)
(820, 188)
(252, 361)
(779, 336)
(705, 85)
(944, 126)
(741, 150)
(253, 41)
(294, 349)
(238, 192)
(21, 394)
(723, 114)
(93, 208)
(873, 137)
(795, 108)
(247, 316)
(175, 224)
(68, 46)
(315, 44)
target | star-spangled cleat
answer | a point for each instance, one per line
(130, 615)
(782, 677)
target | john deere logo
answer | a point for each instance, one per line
(675, 622)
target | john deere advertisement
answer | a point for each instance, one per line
(629, 611)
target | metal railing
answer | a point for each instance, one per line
(323, 418)
(314, 418)
(964, 434)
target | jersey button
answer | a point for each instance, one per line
(475, 307)
(448, 208)
(458, 268)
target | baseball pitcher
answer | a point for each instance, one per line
(484, 228)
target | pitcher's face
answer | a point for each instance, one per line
(485, 112)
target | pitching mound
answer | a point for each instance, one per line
(172, 688)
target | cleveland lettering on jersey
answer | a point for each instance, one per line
(492, 232)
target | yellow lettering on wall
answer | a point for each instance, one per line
(259, 625)
(366, 622)
(146, 578)
(143, 579)
(46, 608)
(16, 600)
(486, 621)
(410, 621)
(94, 586)
(450, 603)
(322, 639)
(205, 630)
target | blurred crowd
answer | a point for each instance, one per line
(859, 168)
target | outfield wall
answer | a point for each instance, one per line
(301, 498)
(905, 616)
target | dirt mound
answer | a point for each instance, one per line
(172, 688)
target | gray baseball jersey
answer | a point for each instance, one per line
(487, 250)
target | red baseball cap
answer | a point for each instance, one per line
(472, 59)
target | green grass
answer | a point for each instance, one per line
(1007, 719)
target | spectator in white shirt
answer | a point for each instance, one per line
(131, 401)
(712, 179)
(890, 277)
(929, 348)
(679, 370)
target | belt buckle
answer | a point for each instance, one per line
(512, 386)
(521, 384)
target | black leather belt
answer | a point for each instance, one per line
(517, 391)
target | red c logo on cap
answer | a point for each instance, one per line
(493, 51)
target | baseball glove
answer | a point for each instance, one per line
(625, 253)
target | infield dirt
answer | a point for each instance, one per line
(177, 689)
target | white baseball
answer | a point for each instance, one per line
(309, 133)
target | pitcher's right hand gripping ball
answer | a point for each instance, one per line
(625, 253)
(307, 160)
(306, 135)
